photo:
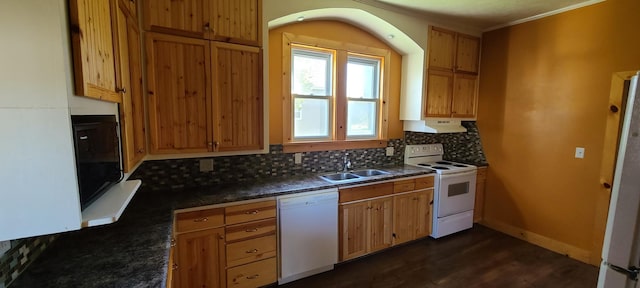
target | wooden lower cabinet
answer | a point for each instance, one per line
(200, 259)
(481, 179)
(365, 227)
(256, 274)
(413, 217)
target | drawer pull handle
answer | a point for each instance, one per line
(251, 230)
(174, 266)
(173, 242)
(254, 212)
(253, 276)
(252, 251)
(205, 219)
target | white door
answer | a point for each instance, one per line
(621, 251)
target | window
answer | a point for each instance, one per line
(333, 94)
(312, 92)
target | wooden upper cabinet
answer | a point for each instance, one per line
(467, 53)
(234, 21)
(464, 96)
(237, 21)
(132, 106)
(442, 45)
(178, 93)
(237, 97)
(439, 93)
(94, 53)
(451, 76)
(180, 17)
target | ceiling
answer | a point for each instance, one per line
(486, 14)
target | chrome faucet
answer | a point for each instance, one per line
(346, 162)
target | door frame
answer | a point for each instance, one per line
(615, 114)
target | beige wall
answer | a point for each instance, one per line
(544, 91)
(332, 30)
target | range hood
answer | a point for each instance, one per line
(435, 126)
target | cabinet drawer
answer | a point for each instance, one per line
(404, 186)
(247, 251)
(255, 274)
(425, 182)
(250, 212)
(197, 220)
(251, 230)
(365, 192)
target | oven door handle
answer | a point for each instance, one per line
(461, 174)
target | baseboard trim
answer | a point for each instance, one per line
(540, 240)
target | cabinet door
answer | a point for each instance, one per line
(178, 93)
(200, 259)
(467, 53)
(442, 44)
(238, 102)
(94, 53)
(380, 221)
(132, 106)
(353, 230)
(404, 220)
(183, 17)
(439, 93)
(478, 208)
(464, 96)
(237, 21)
(424, 214)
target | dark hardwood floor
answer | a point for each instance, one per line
(479, 257)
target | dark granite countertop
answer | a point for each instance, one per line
(134, 251)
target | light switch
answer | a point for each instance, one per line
(390, 151)
(579, 152)
(297, 158)
(206, 165)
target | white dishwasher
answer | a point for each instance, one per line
(307, 233)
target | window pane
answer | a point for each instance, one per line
(311, 118)
(362, 118)
(311, 73)
(362, 78)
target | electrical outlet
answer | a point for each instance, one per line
(297, 158)
(206, 165)
(579, 152)
(4, 247)
(390, 151)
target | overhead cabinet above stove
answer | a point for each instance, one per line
(450, 84)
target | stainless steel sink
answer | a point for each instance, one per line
(342, 177)
(369, 172)
(339, 177)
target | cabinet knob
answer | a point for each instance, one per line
(174, 266)
(254, 212)
(207, 26)
(121, 90)
(205, 219)
(253, 276)
(251, 251)
(606, 185)
(614, 108)
(173, 242)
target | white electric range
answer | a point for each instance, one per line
(454, 189)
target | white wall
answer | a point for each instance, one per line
(39, 193)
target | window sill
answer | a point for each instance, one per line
(333, 145)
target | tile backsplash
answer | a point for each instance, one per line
(185, 173)
(22, 253)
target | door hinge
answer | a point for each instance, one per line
(631, 272)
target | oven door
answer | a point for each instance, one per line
(456, 193)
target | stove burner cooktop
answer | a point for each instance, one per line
(424, 164)
(444, 163)
(440, 168)
(460, 165)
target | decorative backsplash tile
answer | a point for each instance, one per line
(185, 173)
(21, 254)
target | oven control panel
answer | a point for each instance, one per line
(424, 150)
